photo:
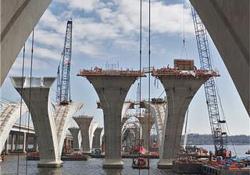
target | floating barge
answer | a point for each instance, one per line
(208, 168)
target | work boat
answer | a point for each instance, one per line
(140, 162)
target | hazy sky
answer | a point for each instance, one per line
(107, 32)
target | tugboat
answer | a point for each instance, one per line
(140, 163)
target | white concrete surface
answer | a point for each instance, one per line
(18, 18)
(112, 91)
(8, 118)
(180, 92)
(44, 123)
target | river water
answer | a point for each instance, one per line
(90, 167)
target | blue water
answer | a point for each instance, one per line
(90, 167)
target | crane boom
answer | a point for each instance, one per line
(63, 90)
(219, 136)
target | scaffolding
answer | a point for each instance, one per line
(100, 72)
(196, 73)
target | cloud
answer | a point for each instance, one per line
(38, 64)
(87, 5)
(46, 53)
(165, 18)
(51, 39)
(114, 21)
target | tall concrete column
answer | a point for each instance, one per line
(180, 90)
(12, 142)
(35, 144)
(17, 141)
(112, 87)
(25, 140)
(7, 146)
(146, 125)
(84, 124)
(43, 122)
(75, 133)
(97, 138)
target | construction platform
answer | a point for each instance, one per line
(177, 73)
(100, 72)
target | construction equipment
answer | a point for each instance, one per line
(219, 136)
(63, 95)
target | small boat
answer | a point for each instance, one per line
(248, 152)
(140, 163)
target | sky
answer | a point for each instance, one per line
(106, 33)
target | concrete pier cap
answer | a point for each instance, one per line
(35, 94)
(112, 87)
(180, 85)
(27, 82)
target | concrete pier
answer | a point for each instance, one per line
(112, 87)
(158, 110)
(75, 134)
(97, 138)
(84, 122)
(180, 87)
(43, 122)
(146, 124)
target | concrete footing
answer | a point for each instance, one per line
(50, 164)
(165, 164)
(112, 164)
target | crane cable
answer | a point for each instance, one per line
(29, 115)
(149, 79)
(20, 114)
(184, 48)
(140, 78)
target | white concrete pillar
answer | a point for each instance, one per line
(97, 138)
(146, 125)
(17, 141)
(112, 88)
(12, 142)
(180, 90)
(35, 144)
(84, 122)
(7, 146)
(25, 141)
(43, 122)
(75, 133)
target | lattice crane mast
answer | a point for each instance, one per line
(219, 136)
(63, 76)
